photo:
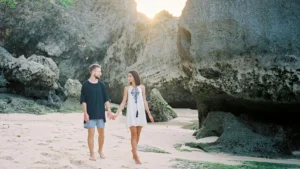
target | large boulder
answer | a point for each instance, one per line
(35, 76)
(160, 109)
(238, 137)
(243, 56)
(46, 62)
(72, 89)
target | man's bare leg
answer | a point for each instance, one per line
(133, 131)
(101, 142)
(91, 132)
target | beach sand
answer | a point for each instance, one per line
(59, 141)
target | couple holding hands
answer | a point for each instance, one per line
(94, 99)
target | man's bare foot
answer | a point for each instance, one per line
(101, 154)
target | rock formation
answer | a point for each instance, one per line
(243, 57)
(35, 76)
(160, 109)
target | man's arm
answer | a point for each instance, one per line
(106, 102)
(107, 105)
(85, 114)
(83, 104)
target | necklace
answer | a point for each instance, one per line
(135, 93)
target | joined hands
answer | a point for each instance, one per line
(111, 116)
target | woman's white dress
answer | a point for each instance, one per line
(135, 114)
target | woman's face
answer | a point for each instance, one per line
(130, 78)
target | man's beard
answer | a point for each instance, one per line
(97, 77)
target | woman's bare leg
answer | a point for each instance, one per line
(133, 131)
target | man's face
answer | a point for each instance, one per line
(97, 73)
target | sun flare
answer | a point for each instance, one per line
(152, 7)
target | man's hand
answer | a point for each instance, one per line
(110, 115)
(86, 117)
(115, 115)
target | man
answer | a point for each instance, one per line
(94, 99)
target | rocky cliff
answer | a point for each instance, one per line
(110, 32)
(150, 48)
(73, 36)
(243, 57)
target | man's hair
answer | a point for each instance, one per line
(93, 67)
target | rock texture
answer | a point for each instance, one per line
(35, 76)
(237, 137)
(161, 111)
(74, 36)
(10, 103)
(72, 89)
(110, 32)
(150, 48)
(243, 56)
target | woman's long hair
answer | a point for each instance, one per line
(136, 77)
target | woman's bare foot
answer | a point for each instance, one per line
(136, 157)
(133, 154)
(101, 154)
(92, 158)
(137, 160)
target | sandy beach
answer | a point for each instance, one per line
(55, 141)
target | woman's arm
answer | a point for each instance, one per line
(146, 103)
(123, 101)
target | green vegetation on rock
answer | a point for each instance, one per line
(13, 3)
(151, 149)
(10, 3)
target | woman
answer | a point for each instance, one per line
(135, 95)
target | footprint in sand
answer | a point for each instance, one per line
(77, 162)
(45, 154)
(9, 158)
(80, 164)
(49, 141)
(120, 137)
(45, 162)
(53, 156)
(123, 166)
(42, 144)
(70, 149)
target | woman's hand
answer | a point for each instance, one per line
(151, 118)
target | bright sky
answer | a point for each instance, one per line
(152, 7)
